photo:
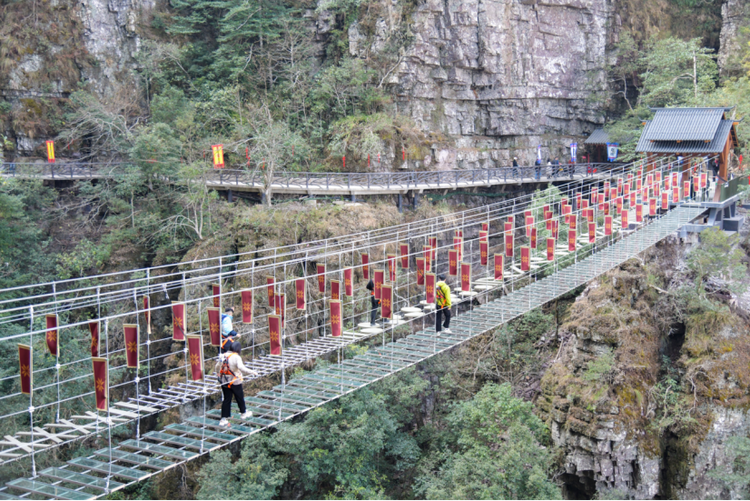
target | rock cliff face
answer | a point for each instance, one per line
(734, 13)
(502, 76)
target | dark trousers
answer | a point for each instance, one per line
(374, 312)
(226, 404)
(439, 319)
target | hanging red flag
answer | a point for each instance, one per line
(321, 278)
(550, 249)
(632, 198)
(433, 246)
(590, 216)
(525, 258)
(466, 277)
(619, 204)
(281, 308)
(429, 295)
(649, 179)
(52, 337)
(594, 195)
(626, 190)
(573, 222)
(606, 208)
(218, 151)
(509, 245)
(529, 225)
(391, 267)
(619, 185)
(638, 184)
(427, 252)
(486, 227)
(101, 383)
(584, 204)
(592, 233)
(601, 200)
(571, 240)
(195, 352)
(348, 286)
(50, 151)
(299, 289)
(420, 271)
(532, 239)
(567, 211)
(178, 321)
(146, 314)
(508, 228)
(652, 207)
(131, 345)
(453, 262)
(498, 266)
(674, 178)
(686, 189)
(483, 253)
(404, 248)
(704, 179)
(606, 188)
(555, 229)
(26, 369)
(247, 306)
(657, 176)
(545, 209)
(335, 290)
(365, 266)
(675, 194)
(274, 333)
(511, 219)
(612, 193)
(216, 291)
(458, 245)
(607, 225)
(379, 279)
(638, 213)
(548, 219)
(94, 330)
(386, 303)
(482, 236)
(459, 233)
(664, 200)
(337, 328)
(270, 281)
(214, 326)
(667, 184)
(696, 183)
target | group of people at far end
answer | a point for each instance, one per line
(554, 167)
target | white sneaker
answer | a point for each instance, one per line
(447, 331)
(246, 415)
(224, 422)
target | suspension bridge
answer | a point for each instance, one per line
(503, 260)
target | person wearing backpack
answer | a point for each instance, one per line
(229, 369)
(443, 300)
(374, 303)
(228, 334)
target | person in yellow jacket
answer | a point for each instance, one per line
(443, 300)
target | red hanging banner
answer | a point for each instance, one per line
(657, 177)
(433, 245)
(555, 229)
(573, 222)
(146, 314)
(52, 336)
(218, 152)
(216, 290)
(548, 219)
(270, 281)
(274, 333)
(704, 179)
(639, 213)
(429, 280)
(550, 249)
(498, 262)
(686, 189)
(612, 193)
(483, 253)
(696, 183)
(571, 240)
(638, 184)
(299, 293)
(619, 204)
(675, 194)
(458, 244)
(101, 383)
(386, 303)
(94, 330)
(459, 233)
(590, 215)
(624, 219)
(247, 306)
(420, 271)
(428, 257)
(652, 207)
(667, 184)
(379, 278)
(26, 369)
(337, 328)
(280, 308)
(529, 225)
(321, 267)
(486, 227)
(592, 233)
(482, 236)
(391, 267)
(606, 188)
(335, 290)
(214, 326)
(195, 351)
(453, 262)
(509, 245)
(466, 277)
(607, 225)
(649, 180)
(365, 266)
(348, 285)
(50, 151)
(525, 258)
(626, 190)
(404, 248)
(665, 200)
(178, 321)
(632, 198)
(131, 345)
(567, 211)
(532, 239)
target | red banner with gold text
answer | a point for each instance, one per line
(214, 326)
(131, 345)
(101, 383)
(26, 369)
(195, 352)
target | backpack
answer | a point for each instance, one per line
(226, 376)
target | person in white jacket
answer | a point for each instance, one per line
(229, 369)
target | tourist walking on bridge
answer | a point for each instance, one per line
(228, 334)
(229, 369)
(538, 169)
(374, 303)
(443, 300)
